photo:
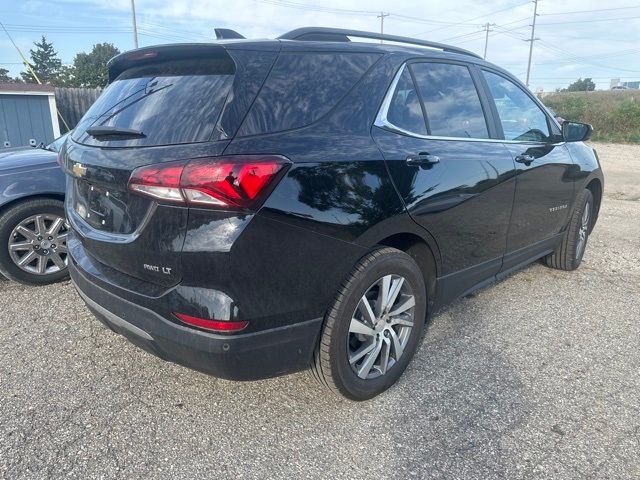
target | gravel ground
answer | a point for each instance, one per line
(537, 376)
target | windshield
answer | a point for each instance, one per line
(170, 103)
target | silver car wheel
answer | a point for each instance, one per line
(583, 232)
(38, 244)
(380, 327)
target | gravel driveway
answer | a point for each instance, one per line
(537, 376)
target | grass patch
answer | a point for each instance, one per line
(615, 115)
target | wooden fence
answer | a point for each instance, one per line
(73, 103)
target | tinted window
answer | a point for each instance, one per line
(451, 100)
(520, 116)
(170, 103)
(302, 87)
(405, 111)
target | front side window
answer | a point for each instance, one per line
(451, 100)
(404, 110)
(521, 118)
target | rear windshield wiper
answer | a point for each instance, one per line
(110, 131)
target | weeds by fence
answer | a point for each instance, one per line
(615, 115)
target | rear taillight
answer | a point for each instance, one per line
(213, 325)
(241, 181)
(158, 181)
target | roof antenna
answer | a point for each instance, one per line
(226, 33)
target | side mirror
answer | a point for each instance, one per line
(576, 132)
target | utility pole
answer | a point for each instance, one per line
(487, 29)
(381, 17)
(133, 20)
(532, 39)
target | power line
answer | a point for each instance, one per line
(165, 34)
(12, 27)
(463, 22)
(406, 18)
(591, 39)
(574, 57)
(471, 39)
(517, 21)
(586, 60)
(172, 29)
(409, 19)
(80, 32)
(461, 36)
(598, 10)
(621, 53)
(316, 8)
(589, 21)
(70, 29)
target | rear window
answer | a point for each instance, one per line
(170, 103)
(451, 100)
(405, 111)
(302, 87)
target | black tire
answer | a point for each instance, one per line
(568, 255)
(9, 220)
(331, 366)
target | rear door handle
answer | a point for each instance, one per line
(525, 158)
(422, 159)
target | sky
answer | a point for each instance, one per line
(577, 38)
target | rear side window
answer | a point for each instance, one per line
(405, 111)
(521, 118)
(302, 87)
(451, 100)
(170, 103)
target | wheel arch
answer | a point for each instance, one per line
(596, 188)
(40, 196)
(421, 252)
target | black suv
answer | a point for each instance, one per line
(254, 208)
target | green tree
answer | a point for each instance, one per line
(45, 62)
(6, 78)
(90, 69)
(66, 77)
(580, 85)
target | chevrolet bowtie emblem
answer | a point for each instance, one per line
(79, 170)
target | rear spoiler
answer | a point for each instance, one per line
(161, 53)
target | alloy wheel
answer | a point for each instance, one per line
(381, 326)
(38, 244)
(583, 232)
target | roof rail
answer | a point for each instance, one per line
(341, 35)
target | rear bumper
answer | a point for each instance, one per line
(249, 356)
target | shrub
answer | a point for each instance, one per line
(615, 115)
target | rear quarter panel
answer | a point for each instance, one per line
(26, 181)
(336, 202)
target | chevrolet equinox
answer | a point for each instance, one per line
(255, 208)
